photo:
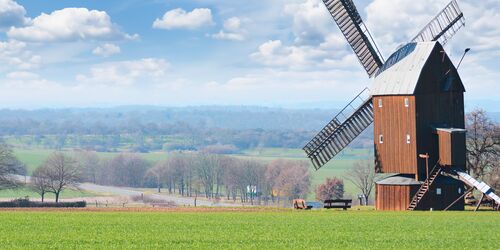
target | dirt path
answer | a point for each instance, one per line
(180, 201)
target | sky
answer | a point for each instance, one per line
(280, 53)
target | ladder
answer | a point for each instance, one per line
(424, 188)
(341, 130)
(352, 27)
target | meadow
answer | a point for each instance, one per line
(248, 229)
(22, 192)
(337, 167)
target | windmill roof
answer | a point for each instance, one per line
(401, 72)
(399, 180)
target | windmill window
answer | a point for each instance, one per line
(407, 102)
(380, 102)
(407, 138)
(459, 190)
(381, 139)
(438, 191)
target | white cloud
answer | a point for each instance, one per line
(126, 73)
(304, 57)
(317, 43)
(106, 50)
(15, 55)
(70, 24)
(311, 21)
(22, 75)
(232, 30)
(12, 15)
(223, 35)
(180, 19)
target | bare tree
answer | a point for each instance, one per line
(9, 165)
(61, 172)
(493, 176)
(483, 143)
(90, 165)
(128, 170)
(273, 171)
(290, 178)
(207, 165)
(363, 177)
(159, 172)
(40, 182)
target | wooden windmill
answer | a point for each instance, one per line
(417, 107)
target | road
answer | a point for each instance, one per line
(124, 191)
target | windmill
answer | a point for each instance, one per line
(416, 105)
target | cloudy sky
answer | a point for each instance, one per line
(286, 53)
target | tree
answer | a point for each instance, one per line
(483, 143)
(159, 172)
(40, 182)
(493, 176)
(363, 177)
(292, 178)
(61, 172)
(128, 170)
(207, 165)
(90, 165)
(333, 188)
(9, 166)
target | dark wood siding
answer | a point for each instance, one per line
(394, 197)
(449, 193)
(394, 121)
(444, 110)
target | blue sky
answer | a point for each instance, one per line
(286, 53)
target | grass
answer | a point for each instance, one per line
(24, 191)
(34, 157)
(249, 230)
(336, 167)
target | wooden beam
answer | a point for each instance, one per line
(479, 202)
(461, 197)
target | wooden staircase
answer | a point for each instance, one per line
(425, 187)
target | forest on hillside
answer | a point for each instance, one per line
(143, 129)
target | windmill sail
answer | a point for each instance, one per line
(342, 130)
(349, 21)
(443, 26)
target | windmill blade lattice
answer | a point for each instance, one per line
(443, 26)
(341, 130)
(350, 23)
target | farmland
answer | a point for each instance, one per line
(337, 167)
(251, 229)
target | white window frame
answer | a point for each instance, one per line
(380, 102)
(407, 102)
(381, 139)
(439, 191)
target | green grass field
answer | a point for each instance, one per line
(249, 230)
(336, 167)
(34, 157)
(24, 191)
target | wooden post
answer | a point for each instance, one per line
(426, 157)
(479, 202)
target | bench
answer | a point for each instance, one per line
(337, 203)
